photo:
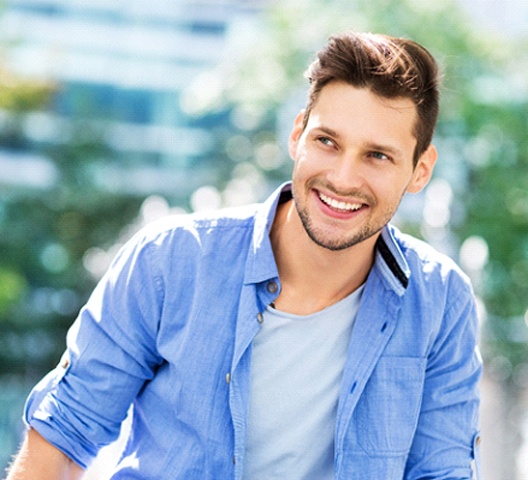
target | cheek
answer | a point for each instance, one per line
(302, 167)
(389, 189)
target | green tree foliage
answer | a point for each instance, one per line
(19, 95)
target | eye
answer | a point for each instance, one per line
(379, 156)
(326, 141)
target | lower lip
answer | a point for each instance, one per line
(341, 215)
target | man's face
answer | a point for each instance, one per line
(353, 164)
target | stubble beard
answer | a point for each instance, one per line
(323, 240)
(334, 244)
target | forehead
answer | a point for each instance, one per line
(353, 111)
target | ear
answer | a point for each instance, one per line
(423, 170)
(295, 134)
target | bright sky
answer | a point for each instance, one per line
(509, 17)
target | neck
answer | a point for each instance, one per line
(314, 277)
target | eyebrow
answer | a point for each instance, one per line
(329, 131)
(383, 148)
(368, 145)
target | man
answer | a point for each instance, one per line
(303, 338)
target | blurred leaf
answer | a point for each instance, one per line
(18, 94)
(12, 287)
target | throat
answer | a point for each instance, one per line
(313, 278)
(301, 302)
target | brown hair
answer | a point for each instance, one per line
(390, 67)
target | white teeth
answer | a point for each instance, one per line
(339, 205)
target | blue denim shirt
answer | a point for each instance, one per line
(169, 329)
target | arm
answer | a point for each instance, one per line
(446, 442)
(39, 460)
(79, 406)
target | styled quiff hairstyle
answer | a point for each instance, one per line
(390, 67)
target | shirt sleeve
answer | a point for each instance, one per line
(111, 352)
(446, 442)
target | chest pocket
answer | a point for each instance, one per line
(387, 412)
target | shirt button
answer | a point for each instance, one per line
(260, 317)
(477, 441)
(272, 287)
(228, 378)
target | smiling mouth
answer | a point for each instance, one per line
(344, 207)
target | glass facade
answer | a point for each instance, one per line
(132, 69)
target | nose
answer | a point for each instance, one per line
(347, 174)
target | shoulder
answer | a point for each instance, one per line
(197, 226)
(186, 239)
(429, 265)
(438, 289)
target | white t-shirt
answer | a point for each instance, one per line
(296, 371)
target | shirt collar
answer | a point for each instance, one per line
(390, 260)
(260, 265)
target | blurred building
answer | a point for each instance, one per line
(136, 71)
